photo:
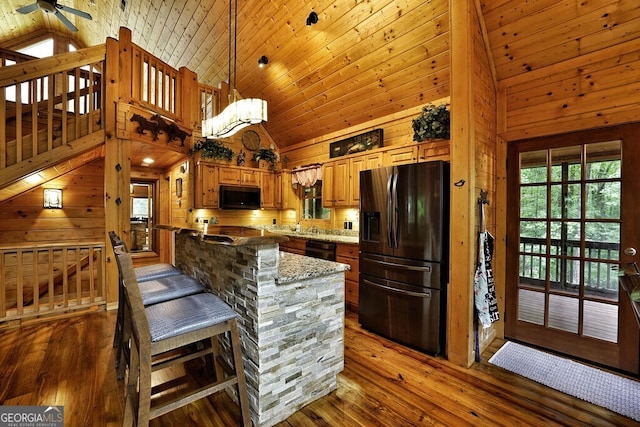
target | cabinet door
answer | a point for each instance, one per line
(229, 176)
(341, 183)
(206, 191)
(267, 190)
(327, 184)
(437, 149)
(285, 194)
(357, 164)
(400, 156)
(250, 177)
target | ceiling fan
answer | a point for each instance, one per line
(52, 6)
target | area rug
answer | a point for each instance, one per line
(614, 392)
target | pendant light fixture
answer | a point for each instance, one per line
(240, 113)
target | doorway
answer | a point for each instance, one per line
(143, 207)
(572, 209)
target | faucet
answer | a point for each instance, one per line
(314, 229)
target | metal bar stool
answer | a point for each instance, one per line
(157, 283)
(159, 329)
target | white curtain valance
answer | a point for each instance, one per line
(306, 175)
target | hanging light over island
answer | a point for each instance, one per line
(240, 113)
(237, 115)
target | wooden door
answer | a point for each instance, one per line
(572, 210)
(267, 193)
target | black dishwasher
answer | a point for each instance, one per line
(320, 249)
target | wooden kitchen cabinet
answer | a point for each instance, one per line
(206, 193)
(239, 176)
(335, 183)
(400, 156)
(285, 195)
(357, 164)
(349, 254)
(437, 149)
(295, 245)
(267, 190)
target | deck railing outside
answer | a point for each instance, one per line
(37, 280)
(600, 274)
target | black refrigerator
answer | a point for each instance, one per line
(404, 250)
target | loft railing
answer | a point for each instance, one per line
(10, 57)
(155, 84)
(48, 279)
(49, 102)
(210, 102)
(601, 264)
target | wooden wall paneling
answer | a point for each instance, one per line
(587, 92)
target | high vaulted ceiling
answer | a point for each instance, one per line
(364, 59)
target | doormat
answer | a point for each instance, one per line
(614, 392)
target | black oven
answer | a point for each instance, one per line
(321, 249)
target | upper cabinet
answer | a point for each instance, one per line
(335, 183)
(276, 191)
(285, 195)
(207, 187)
(357, 164)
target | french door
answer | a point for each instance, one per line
(573, 209)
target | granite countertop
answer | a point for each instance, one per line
(326, 237)
(294, 268)
(231, 235)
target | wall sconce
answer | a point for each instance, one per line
(53, 198)
(263, 61)
(312, 19)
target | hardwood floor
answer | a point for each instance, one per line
(70, 362)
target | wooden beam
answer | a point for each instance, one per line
(460, 301)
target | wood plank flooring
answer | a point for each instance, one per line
(70, 362)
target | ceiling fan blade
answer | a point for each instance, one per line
(66, 22)
(27, 9)
(76, 12)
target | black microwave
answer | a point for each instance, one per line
(239, 197)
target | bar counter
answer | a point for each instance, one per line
(291, 310)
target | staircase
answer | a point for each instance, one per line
(52, 110)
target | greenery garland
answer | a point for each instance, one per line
(433, 122)
(212, 149)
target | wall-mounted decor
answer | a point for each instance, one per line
(179, 187)
(355, 144)
(157, 125)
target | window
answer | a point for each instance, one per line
(312, 202)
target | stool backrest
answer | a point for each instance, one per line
(130, 286)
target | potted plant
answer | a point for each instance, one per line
(267, 154)
(212, 149)
(432, 123)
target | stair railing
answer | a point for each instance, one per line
(49, 279)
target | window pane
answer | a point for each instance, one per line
(533, 167)
(564, 275)
(531, 306)
(566, 164)
(565, 201)
(603, 160)
(603, 200)
(600, 321)
(563, 313)
(601, 280)
(533, 201)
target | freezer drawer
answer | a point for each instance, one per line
(414, 272)
(411, 317)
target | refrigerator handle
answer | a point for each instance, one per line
(425, 294)
(390, 234)
(396, 219)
